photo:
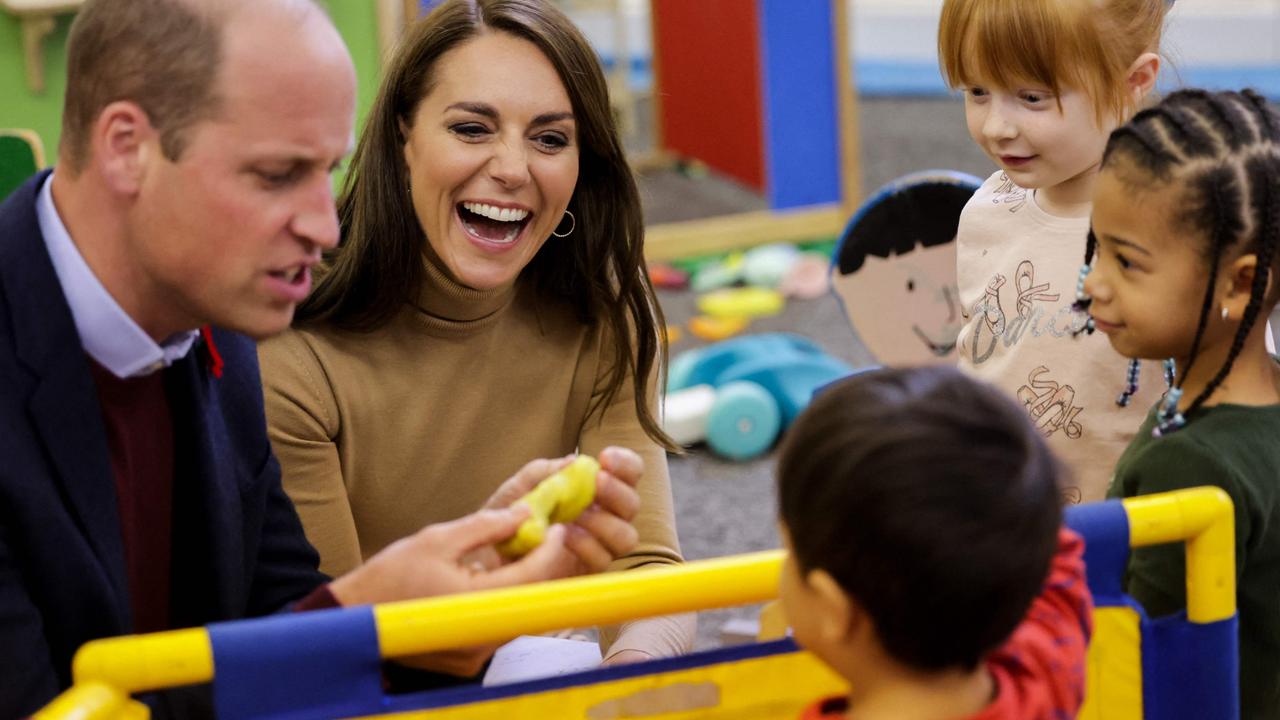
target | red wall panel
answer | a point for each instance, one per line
(707, 54)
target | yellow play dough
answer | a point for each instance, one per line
(560, 498)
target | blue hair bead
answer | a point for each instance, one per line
(1131, 386)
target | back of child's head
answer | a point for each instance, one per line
(932, 502)
(1221, 152)
(1087, 45)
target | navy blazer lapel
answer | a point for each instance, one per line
(207, 513)
(64, 404)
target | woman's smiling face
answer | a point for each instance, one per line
(492, 154)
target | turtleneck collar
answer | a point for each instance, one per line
(445, 304)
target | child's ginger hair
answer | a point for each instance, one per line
(1087, 45)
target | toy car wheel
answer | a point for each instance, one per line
(744, 421)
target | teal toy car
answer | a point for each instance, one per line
(739, 395)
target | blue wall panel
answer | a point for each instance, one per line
(802, 138)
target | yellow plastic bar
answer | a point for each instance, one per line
(138, 663)
(93, 701)
(134, 663)
(417, 626)
(1205, 518)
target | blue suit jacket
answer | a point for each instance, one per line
(239, 549)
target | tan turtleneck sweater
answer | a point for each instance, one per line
(379, 434)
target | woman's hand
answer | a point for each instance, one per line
(626, 657)
(603, 532)
(458, 556)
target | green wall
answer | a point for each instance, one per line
(20, 108)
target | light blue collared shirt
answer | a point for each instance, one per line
(106, 331)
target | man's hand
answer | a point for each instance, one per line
(458, 556)
(431, 561)
(436, 561)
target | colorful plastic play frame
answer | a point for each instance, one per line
(326, 663)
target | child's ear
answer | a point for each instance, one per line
(1240, 286)
(1142, 75)
(839, 615)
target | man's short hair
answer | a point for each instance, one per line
(163, 55)
(932, 501)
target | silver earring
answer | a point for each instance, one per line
(573, 224)
(1226, 314)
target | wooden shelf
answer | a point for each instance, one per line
(38, 18)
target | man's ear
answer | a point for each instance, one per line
(1142, 76)
(838, 615)
(122, 144)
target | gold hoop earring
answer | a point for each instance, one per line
(573, 224)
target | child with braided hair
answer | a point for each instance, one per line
(1045, 82)
(1179, 263)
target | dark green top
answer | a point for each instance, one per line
(1237, 448)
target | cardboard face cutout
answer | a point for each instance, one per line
(895, 269)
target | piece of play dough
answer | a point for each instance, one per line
(560, 498)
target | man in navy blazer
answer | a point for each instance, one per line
(192, 196)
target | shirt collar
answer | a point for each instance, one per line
(108, 334)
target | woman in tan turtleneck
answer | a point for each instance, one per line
(488, 304)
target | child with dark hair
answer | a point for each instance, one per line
(1186, 222)
(926, 563)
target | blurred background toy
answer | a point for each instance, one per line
(739, 395)
(667, 277)
(767, 265)
(714, 329)
(743, 302)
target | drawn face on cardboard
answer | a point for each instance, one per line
(896, 272)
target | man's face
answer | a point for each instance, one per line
(228, 233)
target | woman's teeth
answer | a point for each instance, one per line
(492, 224)
(496, 213)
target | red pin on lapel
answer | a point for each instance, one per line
(215, 360)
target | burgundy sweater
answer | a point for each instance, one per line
(139, 425)
(140, 437)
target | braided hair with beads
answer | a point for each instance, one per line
(1224, 148)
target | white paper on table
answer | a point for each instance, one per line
(530, 657)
